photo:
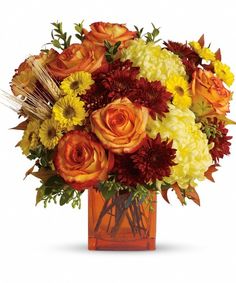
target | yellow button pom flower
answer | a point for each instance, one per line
(179, 87)
(156, 64)
(30, 137)
(77, 83)
(192, 155)
(69, 111)
(50, 133)
(223, 72)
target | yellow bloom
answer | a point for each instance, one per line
(192, 151)
(207, 54)
(77, 83)
(196, 46)
(50, 133)
(30, 138)
(179, 87)
(69, 111)
(204, 52)
(156, 64)
(223, 72)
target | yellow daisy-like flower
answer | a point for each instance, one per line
(69, 111)
(179, 87)
(205, 53)
(155, 63)
(223, 72)
(30, 137)
(50, 133)
(196, 46)
(77, 83)
(192, 150)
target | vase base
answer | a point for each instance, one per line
(108, 245)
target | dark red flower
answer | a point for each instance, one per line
(126, 171)
(151, 162)
(220, 140)
(152, 95)
(189, 57)
(154, 159)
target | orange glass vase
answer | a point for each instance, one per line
(120, 224)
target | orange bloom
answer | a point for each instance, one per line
(106, 31)
(24, 77)
(120, 126)
(81, 161)
(209, 95)
(78, 57)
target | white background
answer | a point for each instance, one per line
(37, 245)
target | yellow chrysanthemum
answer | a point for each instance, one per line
(192, 151)
(69, 111)
(77, 83)
(204, 52)
(50, 133)
(30, 137)
(179, 87)
(223, 72)
(155, 63)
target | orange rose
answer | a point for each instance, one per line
(24, 77)
(106, 31)
(209, 95)
(120, 126)
(81, 161)
(78, 57)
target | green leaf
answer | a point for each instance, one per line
(39, 195)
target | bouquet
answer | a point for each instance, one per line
(122, 114)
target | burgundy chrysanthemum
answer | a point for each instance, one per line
(220, 140)
(155, 159)
(126, 171)
(189, 57)
(151, 162)
(152, 95)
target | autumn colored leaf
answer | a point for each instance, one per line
(218, 55)
(22, 126)
(210, 171)
(164, 193)
(29, 172)
(43, 174)
(178, 192)
(201, 41)
(193, 195)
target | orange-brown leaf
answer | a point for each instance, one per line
(29, 171)
(164, 193)
(22, 126)
(43, 174)
(218, 55)
(210, 171)
(178, 192)
(193, 195)
(201, 41)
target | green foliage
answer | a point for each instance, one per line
(60, 39)
(151, 36)
(111, 50)
(56, 190)
(43, 156)
(138, 32)
(79, 29)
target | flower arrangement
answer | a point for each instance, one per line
(119, 111)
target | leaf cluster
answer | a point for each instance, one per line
(42, 156)
(79, 29)
(111, 50)
(56, 190)
(59, 37)
(151, 36)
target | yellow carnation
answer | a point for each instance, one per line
(223, 72)
(192, 155)
(156, 64)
